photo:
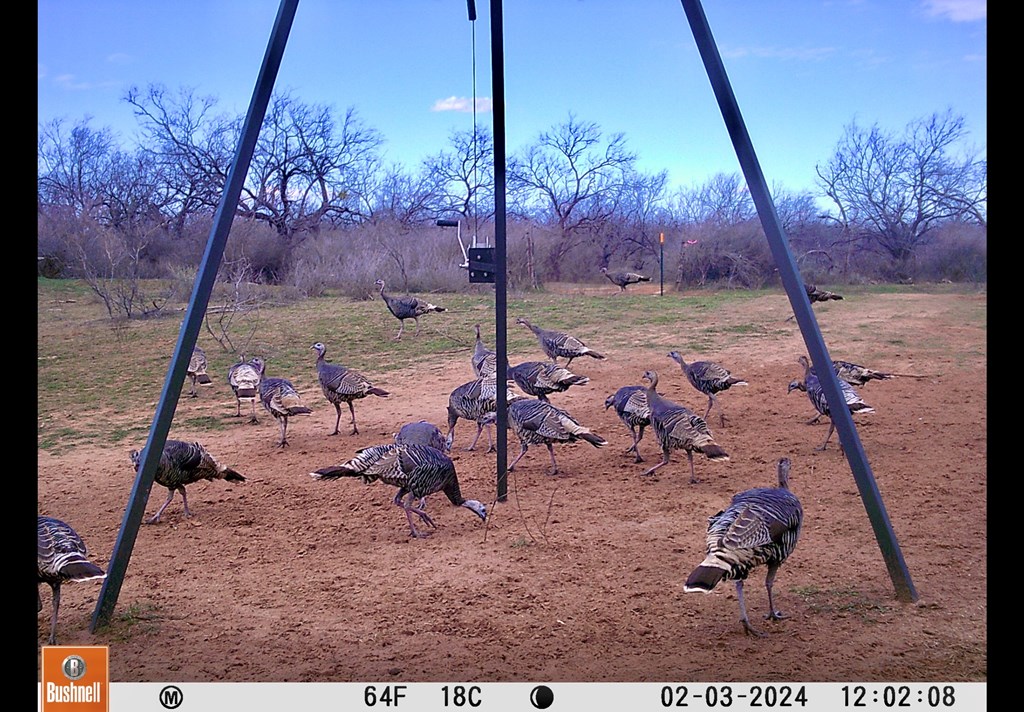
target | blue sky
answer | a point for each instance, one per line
(801, 70)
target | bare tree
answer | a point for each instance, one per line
(394, 196)
(234, 322)
(308, 168)
(892, 191)
(464, 176)
(570, 178)
(110, 265)
(642, 206)
(723, 240)
(722, 199)
(73, 165)
(192, 146)
(101, 208)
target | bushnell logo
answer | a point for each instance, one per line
(75, 679)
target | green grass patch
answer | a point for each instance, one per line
(95, 379)
(134, 619)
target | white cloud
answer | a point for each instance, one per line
(957, 10)
(119, 58)
(68, 81)
(803, 54)
(461, 104)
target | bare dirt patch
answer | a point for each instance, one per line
(576, 577)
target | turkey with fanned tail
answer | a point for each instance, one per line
(196, 371)
(244, 379)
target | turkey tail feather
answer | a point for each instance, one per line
(714, 452)
(233, 475)
(333, 472)
(82, 571)
(703, 579)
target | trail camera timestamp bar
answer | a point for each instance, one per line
(555, 696)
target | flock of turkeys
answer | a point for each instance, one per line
(760, 526)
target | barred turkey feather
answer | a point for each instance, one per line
(537, 422)
(407, 307)
(539, 378)
(812, 387)
(630, 403)
(416, 470)
(679, 428)
(341, 384)
(623, 279)
(760, 527)
(558, 344)
(183, 463)
(62, 557)
(709, 378)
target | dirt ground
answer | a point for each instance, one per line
(578, 576)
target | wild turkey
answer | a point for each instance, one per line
(244, 379)
(539, 378)
(416, 470)
(476, 400)
(63, 557)
(197, 371)
(855, 375)
(760, 526)
(183, 463)
(421, 433)
(483, 360)
(558, 343)
(816, 295)
(679, 428)
(624, 279)
(537, 422)
(709, 378)
(280, 398)
(631, 406)
(812, 387)
(819, 295)
(407, 307)
(343, 385)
